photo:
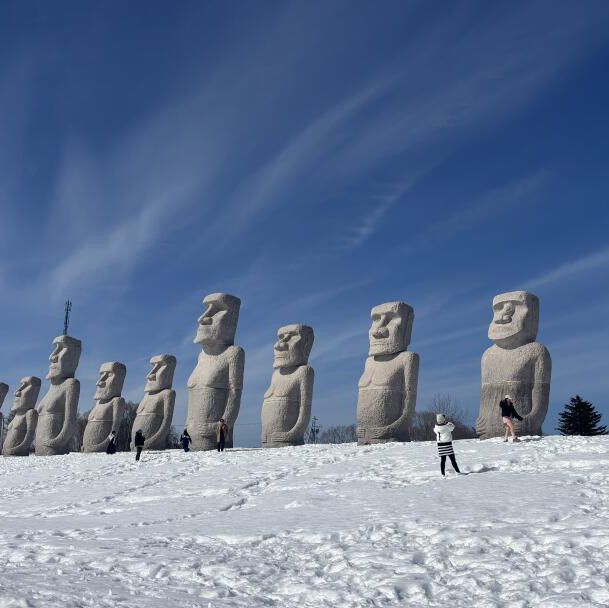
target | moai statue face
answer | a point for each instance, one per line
(111, 380)
(293, 346)
(3, 392)
(515, 319)
(64, 358)
(391, 328)
(218, 324)
(26, 395)
(161, 374)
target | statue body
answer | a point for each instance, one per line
(286, 410)
(387, 392)
(22, 427)
(155, 411)
(107, 414)
(216, 383)
(57, 411)
(515, 365)
(3, 392)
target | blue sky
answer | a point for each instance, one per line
(315, 159)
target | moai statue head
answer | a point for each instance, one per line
(111, 380)
(293, 345)
(218, 324)
(161, 374)
(3, 392)
(26, 395)
(515, 319)
(64, 358)
(391, 328)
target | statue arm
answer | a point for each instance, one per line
(235, 388)
(168, 405)
(31, 420)
(118, 412)
(71, 404)
(541, 386)
(304, 412)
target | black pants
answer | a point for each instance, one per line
(139, 449)
(221, 444)
(453, 461)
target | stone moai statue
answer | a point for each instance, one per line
(57, 410)
(109, 409)
(387, 394)
(22, 427)
(3, 392)
(515, 365)
(155, 411)
(215, 385)
(286, 409)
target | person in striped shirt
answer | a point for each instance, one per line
(444, 438)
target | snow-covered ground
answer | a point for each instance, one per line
(310, 526)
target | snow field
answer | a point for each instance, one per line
(310, 526)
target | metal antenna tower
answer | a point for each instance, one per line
(66, 319)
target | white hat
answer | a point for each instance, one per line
(507, 397)
(440, 418)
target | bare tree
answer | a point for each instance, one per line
(123, 440)
(422, 424)
(173, 439)
(339, 434)
(81, 423)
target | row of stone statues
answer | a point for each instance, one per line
(516, 364)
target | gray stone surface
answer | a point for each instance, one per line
(515, 365)
(22, 427)
(216, 383)
(3, 392)
(387, 393)
(155, 411)
(57, 410)
(286, 410)
(109, 409)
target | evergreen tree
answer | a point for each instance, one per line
(580, 418)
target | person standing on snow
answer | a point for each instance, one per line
(221, 432)
(111, 447)
(508, 413)
(139, 441)
(444, 438)
(186, 440)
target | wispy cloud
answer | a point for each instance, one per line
(573, 269)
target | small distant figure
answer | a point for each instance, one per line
(221, 432)
(139, 441)
(444, 438)
(508, 413)
(186, 440)
(111, 447)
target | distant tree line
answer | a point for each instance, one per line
(421, 425)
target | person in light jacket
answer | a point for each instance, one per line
(444, 438)
(221, 433)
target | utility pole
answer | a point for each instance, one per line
(315, 428)
(66, 319)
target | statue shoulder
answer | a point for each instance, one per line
(306, 371)
(409, 359)
(235, 354)
(538, 349)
